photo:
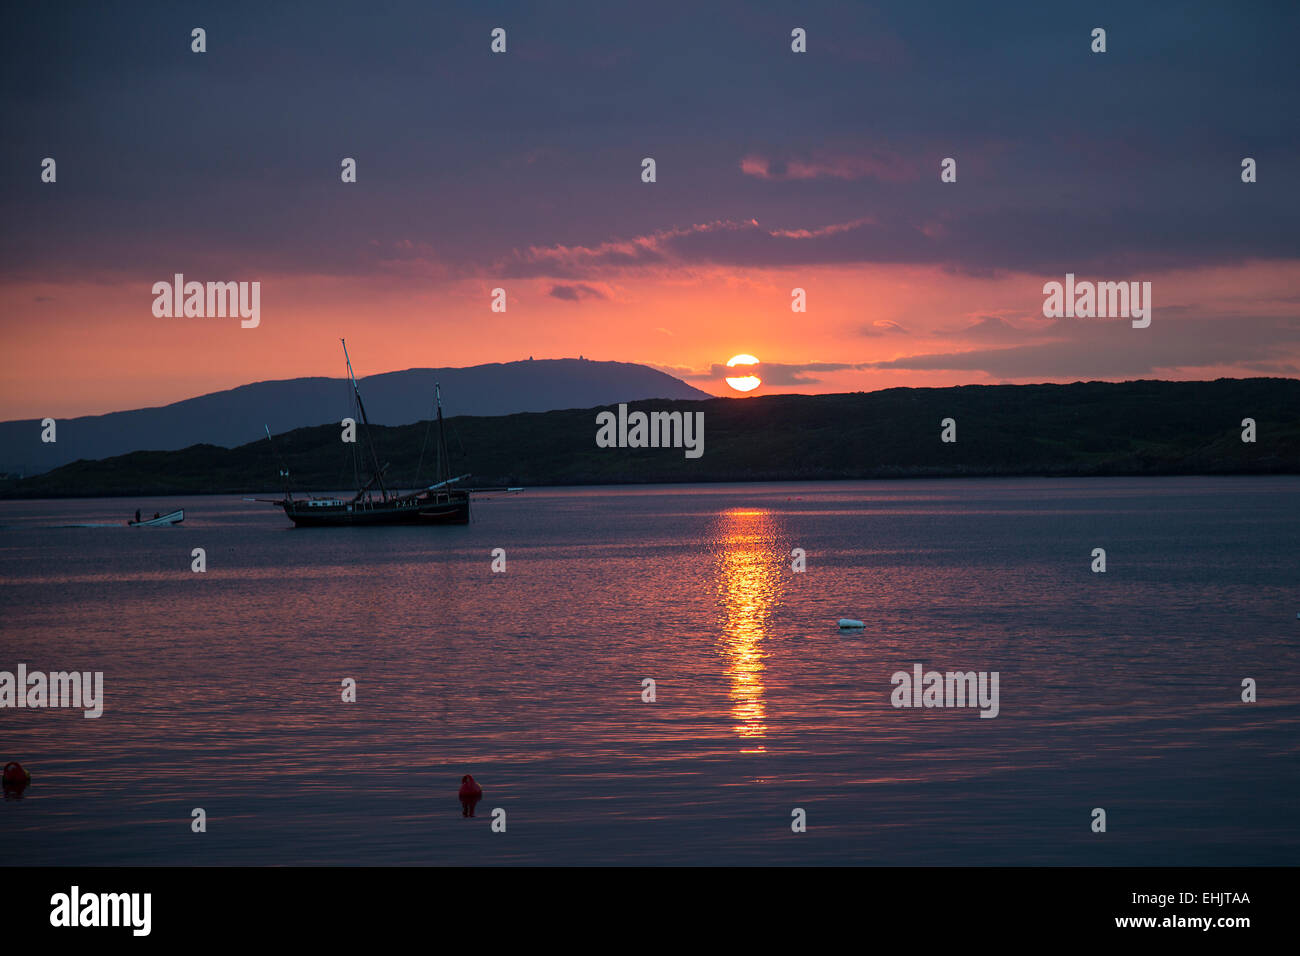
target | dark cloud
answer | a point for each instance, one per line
(1067, 161)
(575, 293)
(883, 327)
(993, 241)
(994, 328)
(1114, 349)
(773, 373)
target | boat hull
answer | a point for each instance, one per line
(162, 521)
(302, 514)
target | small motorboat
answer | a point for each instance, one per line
(159, 521)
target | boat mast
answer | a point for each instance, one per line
(443, 460)
(365, 422)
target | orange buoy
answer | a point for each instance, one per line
(15, 775)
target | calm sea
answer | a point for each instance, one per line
(222, 689)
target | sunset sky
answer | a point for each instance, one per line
(522, 170)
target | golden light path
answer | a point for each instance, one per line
(749, 582)
(743, 383)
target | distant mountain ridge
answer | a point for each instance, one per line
(1084, 429)
(235, 416)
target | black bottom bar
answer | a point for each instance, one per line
(919, 906)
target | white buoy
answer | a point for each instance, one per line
(847, 622)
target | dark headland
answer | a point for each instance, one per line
(236, 415)
(1083, 429)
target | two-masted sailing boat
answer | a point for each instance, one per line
(374, 503)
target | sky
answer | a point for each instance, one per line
(522, 170)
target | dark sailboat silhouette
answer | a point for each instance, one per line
(374, 503)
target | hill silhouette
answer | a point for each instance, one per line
(235, 416)
(1092, 428)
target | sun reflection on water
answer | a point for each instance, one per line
(748, 582)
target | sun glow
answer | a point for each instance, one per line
(743, 383)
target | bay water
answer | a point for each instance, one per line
(223, 690)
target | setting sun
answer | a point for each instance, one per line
(744, 383)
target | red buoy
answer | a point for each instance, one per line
(470, 794)
(16, 776)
